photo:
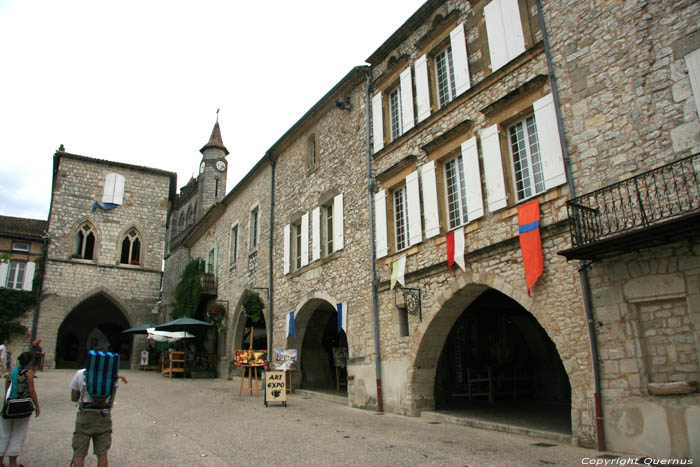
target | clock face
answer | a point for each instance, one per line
(221, 166)
(201, 167)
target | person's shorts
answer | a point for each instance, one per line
(92, 425)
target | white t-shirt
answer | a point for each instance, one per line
(2, 353)
(78, 384)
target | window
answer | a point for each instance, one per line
(254, 229)
(20, 246)
(445, 76)
(181, 226)
(395, 113)
(85, 242)
(113, 189)
(400, 219)
(311, 153)
(525, 153)
(456, 192)
(296, 228)
(328, 214)
(15, 275)
(211, 262)
(131, 248)
(234, 245)
(190, 216)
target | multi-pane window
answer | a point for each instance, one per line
(131, 248)
(445, 76)
(85, 242)
(211, 262)
(328, 211)
(297, 246)
(234, 244)
(525, 153)
(456, 192)
(20, 246)
(254, 229)
(395, 113)
(15, 275)
(400, 219)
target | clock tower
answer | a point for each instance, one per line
(212, 171)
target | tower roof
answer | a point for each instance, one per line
(215, 140)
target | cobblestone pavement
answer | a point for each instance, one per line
(184, 422)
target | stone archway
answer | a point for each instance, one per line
(96, 321)
(446, 349)
(318, 342)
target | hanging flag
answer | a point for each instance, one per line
(290, 325)
(530, 242)
(455, 249)
(342, 317)
(398, 270)
(104, 207)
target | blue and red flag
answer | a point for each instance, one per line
(530, 242)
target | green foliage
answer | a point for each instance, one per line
(15, 304)
(253, 306)
(188, 291)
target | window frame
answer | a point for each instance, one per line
(136, 237)
(233, 246)
(80, 246)
(461, 198)
(16, 248)
(395, 113)
(11, 282)
(296, 245)
(451, 88)
(253, 229)
(535, 169)
(400, 218)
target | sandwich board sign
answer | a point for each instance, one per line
(275, 387)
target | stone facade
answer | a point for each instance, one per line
(96, 287)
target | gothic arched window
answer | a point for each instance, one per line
(85, 242)
(131, 248)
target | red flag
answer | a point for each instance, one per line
(530, 242)
(450, 240)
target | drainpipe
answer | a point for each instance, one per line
(39, 293)
(583, 270)
(272, 224)
(373, 270)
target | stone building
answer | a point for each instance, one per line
(107, 223)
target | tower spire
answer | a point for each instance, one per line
(215, 140)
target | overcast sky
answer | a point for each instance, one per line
(140, 81)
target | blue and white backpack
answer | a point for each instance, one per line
(100, 379)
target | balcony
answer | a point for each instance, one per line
(208, 283)
(653, 208)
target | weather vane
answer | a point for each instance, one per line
(217, 115)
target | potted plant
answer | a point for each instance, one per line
(252, 306)
(217, 314)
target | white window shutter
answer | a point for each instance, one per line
(316, 234)
(29, 276)
(459, 59)
(108, 192)
(338, 237)
(422, 89)
(305, 239)
(216, 259)
(498, 48)
(380, 223)
(430, 201)
(512, 28)
(692, 61)
(287, 244)
(493, 169)
(4, 267)
(415, 228)
(550, 145)
(472, 178)
(377, 122)
(119, 182)
(407, 99)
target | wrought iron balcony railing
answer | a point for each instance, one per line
(667, 194)
(208, 283)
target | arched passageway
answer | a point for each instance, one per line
(499, 364)
(97, 322)
(323, 354)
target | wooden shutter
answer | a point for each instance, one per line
(118, 189)
(377, 122)
(114, 189)
(550, 144)
(380, 223)
(430, 200)
(460, 61)
(4, 267)
(692, 61)
(415, 229)
(316, 234)
(338, 237)
(287, 244)
(305, 239)
(29, 276)
(472, 179)
(498, 49)
(493, 168)
(422, 89)
(216, 260)
(512, 28)
(406, 100)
